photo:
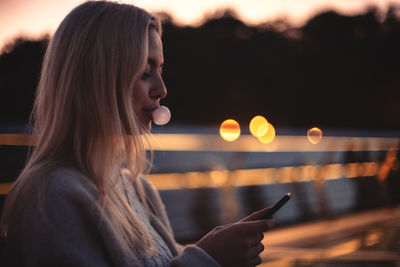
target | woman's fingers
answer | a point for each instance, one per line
(237, 244)
(255, 261)
(258, 215)
(257, 227)
(254, 241)
(253, 254)
(259, 238)
(256, 250)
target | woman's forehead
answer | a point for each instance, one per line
(155, 52)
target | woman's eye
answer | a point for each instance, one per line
(146, 75)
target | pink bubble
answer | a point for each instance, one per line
(161, 115)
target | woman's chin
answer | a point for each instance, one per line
(145, 127)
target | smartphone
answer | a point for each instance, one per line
(277, 206)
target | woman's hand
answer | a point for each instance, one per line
(238, 244)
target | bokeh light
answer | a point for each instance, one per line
(230, 130)
(314, 135)
(269, 136)
(258, 126)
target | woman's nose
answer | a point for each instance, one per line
(159, 90)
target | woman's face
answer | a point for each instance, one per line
(150, 88)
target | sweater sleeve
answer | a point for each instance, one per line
(193, 256)
(187, 256)
(69, 234)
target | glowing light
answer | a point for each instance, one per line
(314, 135)
(230, 130)
(269, 136)
(258, 126)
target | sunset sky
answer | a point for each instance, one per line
(33, 18)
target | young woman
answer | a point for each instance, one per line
(82, 199)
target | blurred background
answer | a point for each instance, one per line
(324, 75)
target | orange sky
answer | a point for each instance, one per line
(36, 17)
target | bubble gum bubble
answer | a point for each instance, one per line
(161, 115)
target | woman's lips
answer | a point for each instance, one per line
(150, 109)
(149, 112)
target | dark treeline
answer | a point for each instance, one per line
(334, 72)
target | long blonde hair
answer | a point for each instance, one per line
(83, 113)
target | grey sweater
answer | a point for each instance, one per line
(73, 233)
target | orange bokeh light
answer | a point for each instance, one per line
(230, 130)
(269, 136)
(314, 135)
(258, 126)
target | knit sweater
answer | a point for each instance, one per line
(74, 232)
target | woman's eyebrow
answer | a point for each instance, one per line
(153, 63)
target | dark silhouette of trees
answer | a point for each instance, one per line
(335, 72)
(19, 75)
(346, 56)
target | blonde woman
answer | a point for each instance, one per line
(82, 200)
